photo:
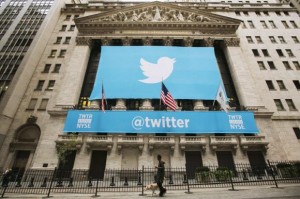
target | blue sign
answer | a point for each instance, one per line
(136, 72)
(160, 122)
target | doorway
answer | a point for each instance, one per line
(257, 162)
(98, 163)
(225, 159)
(193, 160)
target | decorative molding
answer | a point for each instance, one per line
(83, 41)
(31, 119)
(232, 42)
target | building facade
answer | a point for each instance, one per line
(256, 44)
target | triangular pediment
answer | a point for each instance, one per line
(155, 15)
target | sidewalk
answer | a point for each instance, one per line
(291, 191)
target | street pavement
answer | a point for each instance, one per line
(286, 191)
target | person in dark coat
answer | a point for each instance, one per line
(6, 177)
(160, 176)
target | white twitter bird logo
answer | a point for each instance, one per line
(157, 72)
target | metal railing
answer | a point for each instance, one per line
(47, 181)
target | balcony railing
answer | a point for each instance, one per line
(223, 142)
(162, 141)
(192, 142)
(132, 141)
(99, 141)
(253, 142)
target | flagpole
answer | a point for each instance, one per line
(160, 95)
(217, 92)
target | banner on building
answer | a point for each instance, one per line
(136, 72)
(160, 122)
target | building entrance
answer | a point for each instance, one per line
(98, 163)
(21, 160)
(193, 160)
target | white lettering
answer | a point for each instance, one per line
(163, 122)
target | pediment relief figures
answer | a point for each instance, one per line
(156, 14)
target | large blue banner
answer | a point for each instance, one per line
(130, 72)
(160, 122)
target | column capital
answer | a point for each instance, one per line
(146, 105)
(199, 106)
(126, 41)
(105, 41)
(84, 41)
(168, 41)
(208, 42)
(147, 41)
(235, 42)
(188, 42)
(120, 105)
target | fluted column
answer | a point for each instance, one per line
(75, 70)
(120, 105)
(199, 106)
(146, 105)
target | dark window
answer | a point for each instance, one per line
(272, 24)
(261, 65)
(255, 52)
(297, 65)
(68, 17)
(52, 53)
(40, 85)
(286, 13)
(46, 68)
(251, 24)
(32, 103)
(289, 52)
(270, 85)
(272, 39)
(297, 84)
(266, 13)
(246, 13)
(280, 53)
(51, 84)
(249, 39)
(58, 40)
(278, 13)
(257, 13)
(294, 24)
(72, 28)
(63, 28)
(67, 40)
(258, 39)
(291, 104)
(281, 85)
(285, 24)
(297, 132)
(295, 39)
(279, 105)
(62, 53)
(287, 65)
(56, 68)
(263, 24)
(281, 39)
(43, 104)
(265, 52)
(238, 13)
(272, 65)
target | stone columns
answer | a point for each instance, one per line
(243, 80)
(147, 41)
(120, 105)
(146, 105)
(126, 41)
(168, 41)
(75, 70)
(199, 106)
(208, 42)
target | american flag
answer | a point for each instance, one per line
(103, 100)
(167, 98)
